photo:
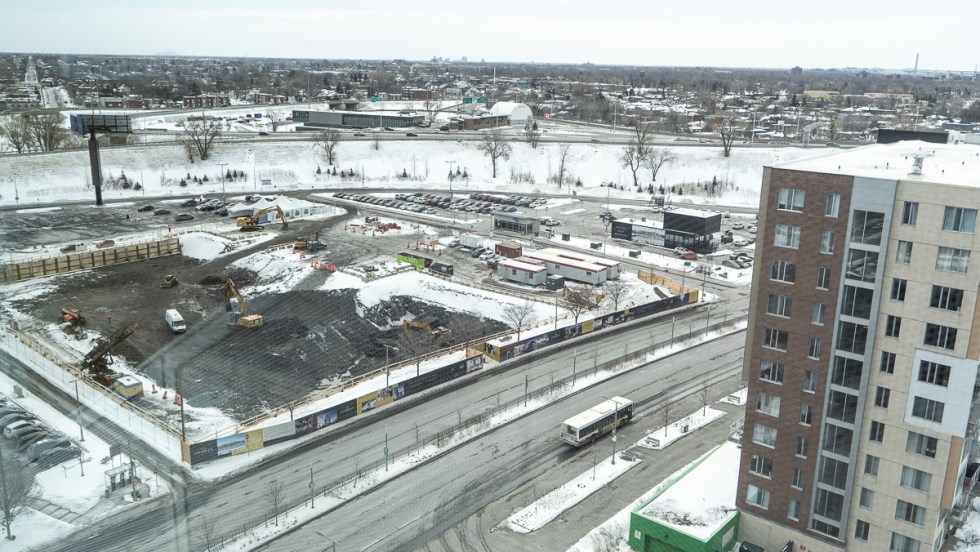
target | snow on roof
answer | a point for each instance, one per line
(954, 164)
(650, 223)
(598, 411)
(696, 213)
(701, 501)
(527, 267)
(508, 108)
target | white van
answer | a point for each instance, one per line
(175, 321)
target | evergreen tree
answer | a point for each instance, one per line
(318, 170)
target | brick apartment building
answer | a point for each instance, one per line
(862, 351)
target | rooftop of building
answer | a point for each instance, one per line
(695, 212)
(703, 499)
(952, 164)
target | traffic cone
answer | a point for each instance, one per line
(154, 392)
(176, 399)
(164, 394)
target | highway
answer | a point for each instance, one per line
(173, 525)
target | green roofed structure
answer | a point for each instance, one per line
(695, 512)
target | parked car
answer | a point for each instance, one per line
(145, 209)
(14, 417)
(732, 264)
(740, 242)
(689, 256)
(680, 251)
(444, 128)
(106, 243)
(411, 134)
(389, 129)
(358, 134)
(222, 212)
(56, 456)
(183, 216)
(737, 226)
(188, 202)
(43, 445)
(25, 441)
(161, 212)
(263, 133)
(11, 429)
(477, 252)
(753, 229)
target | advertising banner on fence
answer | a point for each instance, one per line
(232, 444)
(253, 441)
(279, 432)
(380, 397)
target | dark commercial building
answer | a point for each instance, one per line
(314, 120)
(688, 228)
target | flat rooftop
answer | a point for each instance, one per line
(952, 164)
(701, 501)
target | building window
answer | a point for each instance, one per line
(847, 372)
(764, 435)
(833, 472)
(819, 314)
(877, 434)
(797, 481)
(882, 395)
(824, 527)
(946, 298)
(814, 348)
(893, 326)
(852, 337)
(922, 445)
(767, 403)
(771, 371)
(775, 339)
(806, 414)
(916, 479)
(903, 253)
(823, 278)
(898, 289)
(901, 543)
(862, 265)
(760, 465)
(833, 205)
(957, 219)
(857, 302)
(787, 236)
(783, 271)
(809, 381)
(867, 227)
(861, 530)
(829, 504)
(940, 336)
(791, 199)
(802, 447)
(906, 511)
(928, 409)
(793, 511)
(950, 259)
(910, 212)
(871, 465)
(934, 373)
(827, 241)
(867, 498)
(779, 305)
(757, 497)
(887, 364)
(842, 406)
(837, 439)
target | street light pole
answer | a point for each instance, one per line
(223, 165)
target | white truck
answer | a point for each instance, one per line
(175, 321)
(471, 241)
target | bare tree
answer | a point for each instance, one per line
(415, 344)
(494, 147)
(328, 140)
(579, 300)
(615, 290)
(727, 132)
(206, 533)
(375, 142)
(518, 315)
(636, 151)
(16, 489)
(657, 158)
(704, 393)
(562, 162)
(14, 129)
(665, 407)
(47, 131)
(533, 138)
(275, 497)
(200, 135)
(431, 107)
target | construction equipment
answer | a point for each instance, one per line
(72, 316)
(251, 224)
(430, 325)
(236, 306)
(96, 362)
(304, 242)
(169, 281)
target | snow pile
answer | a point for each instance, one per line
(204, 247)
(737, 398)
(665, 436)
(278, 271)
(704, 498)
(967, 538)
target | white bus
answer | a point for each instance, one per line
(597, 421)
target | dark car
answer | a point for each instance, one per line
(412, 134)
(263, 134)
(44, 445)
(184, 216)
(358, 134)
(444, 128)
(389, 129)
(25, 441)
(145, 209)
(222, 212)
(161, 212)
(56, 456)
(13, 417)
(188, 202)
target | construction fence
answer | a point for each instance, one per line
(93, 257)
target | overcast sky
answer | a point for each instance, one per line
(724, 33)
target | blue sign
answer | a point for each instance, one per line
(267, 182)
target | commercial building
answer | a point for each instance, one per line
(523, 272)
(861, 351)
(315, 120)
(688, 228)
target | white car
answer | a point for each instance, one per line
(680, 250)
(753, 229)
(740, 242)
(737, 226)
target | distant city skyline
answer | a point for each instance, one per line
(710, 33)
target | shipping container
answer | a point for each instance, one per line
(509, 250)
(417, 261)
(443, 268)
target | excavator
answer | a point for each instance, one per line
(236, 306)
(72, 316)
(251, 224)
(96, 364)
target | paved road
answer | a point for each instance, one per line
(439, 506)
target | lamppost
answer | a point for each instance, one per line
(387, 371)
(223, 165)
(615, 423)
(451, 163)
(333, 547)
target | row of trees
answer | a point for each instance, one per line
(33, 132)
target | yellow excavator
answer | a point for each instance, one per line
(251, 224)
(236, 304)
